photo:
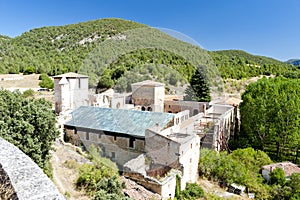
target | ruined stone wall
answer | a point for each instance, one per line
(27, 179)
(178, 106)
(165, 188)
(116, 148)
(161, 150)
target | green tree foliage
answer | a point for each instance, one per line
(100, 179)
(199, 89)
(29, 70)
(192, 192)
(277, 176)
(286, 189)
(110, 188)
(29, 124)
(28, 93)
(270, 118)
(58, 49)
(235, 64)
(46, 81)
(240, 167)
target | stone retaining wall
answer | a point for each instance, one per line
(28, 180)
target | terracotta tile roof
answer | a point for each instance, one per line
(287, 167)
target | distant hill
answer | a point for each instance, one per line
(88, 47)
(59, 49)
(295, 62)
(239, 64)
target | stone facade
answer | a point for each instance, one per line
(71, 91)
(178, 106)
(120, 148)
(178, 150)
(149, 95)
(220, 121)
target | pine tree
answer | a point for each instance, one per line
(199, 88)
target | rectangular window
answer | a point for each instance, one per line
(113, 155)
(87, 136)
(79, 83)
(131, 142)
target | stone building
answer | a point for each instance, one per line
(120, 133)
(288, 168)
(152, 148)
(149, 95)
(71, 91)
(175, 106)
(125, 135)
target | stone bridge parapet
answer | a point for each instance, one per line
(26, 177)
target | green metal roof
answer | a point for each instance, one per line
(130, 122)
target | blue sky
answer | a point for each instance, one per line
(262, 27)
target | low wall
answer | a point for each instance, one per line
(28, 180)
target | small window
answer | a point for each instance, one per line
(113, 155)
(99, 135)
(115, 138)
(196, 112)
(149, 109)
(79, 83)
(87, 136)
(131, 142)
(191, 146)
(191, 160)
(143, 108)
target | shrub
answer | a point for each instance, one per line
(192, 191)
(46, 81)
(28, 93)
(277, 176)
(29, 70)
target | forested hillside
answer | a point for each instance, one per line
(237, 64)
(58, 49)
(110, 49)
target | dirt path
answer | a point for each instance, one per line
(213, 188)
(65, 175)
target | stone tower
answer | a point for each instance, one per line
(149, 95)
(71, 91)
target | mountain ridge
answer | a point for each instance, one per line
(59, 49)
